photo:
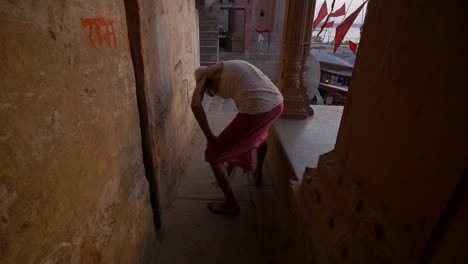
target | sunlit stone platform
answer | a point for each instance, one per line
(295, 144)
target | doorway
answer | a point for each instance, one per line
(232, 29)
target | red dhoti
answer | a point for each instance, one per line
(245, 133)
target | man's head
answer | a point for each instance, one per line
(213, 78)
(212, 85)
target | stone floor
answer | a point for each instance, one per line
(191, 234)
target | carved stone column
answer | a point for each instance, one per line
(295, 50)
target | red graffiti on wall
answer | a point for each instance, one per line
(100, 30)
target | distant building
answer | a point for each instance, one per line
(242, 29)
(254, 26)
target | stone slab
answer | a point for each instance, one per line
(304, 141)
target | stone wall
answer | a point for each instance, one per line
(170, 54)
(72, 180)
(72, 183)
(403, 133)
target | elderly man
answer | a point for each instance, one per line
(259, 103)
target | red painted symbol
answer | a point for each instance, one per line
(100, 30)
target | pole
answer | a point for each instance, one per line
(328, 17)
(347, 9)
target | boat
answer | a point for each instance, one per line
(335, 68)
(333, 86)
(335, 77)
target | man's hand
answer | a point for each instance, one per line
(199, 112)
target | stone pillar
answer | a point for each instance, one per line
(295, 50)
(400, 156)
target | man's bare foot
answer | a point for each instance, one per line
(258, 178)
(223, 208)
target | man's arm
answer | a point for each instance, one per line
(199, 112)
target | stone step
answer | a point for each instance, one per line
(210, 31)
(206, 20)
(208, 56)
(204, 28)
(212, 59)
(209, 35)
(207, 12)
(209, 42)
(208, 23)
(207, 63)
(209, 49)
(213, 44)
(203, 14)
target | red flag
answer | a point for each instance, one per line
(323, 12)
(352, 46)
(343, 28)
(329, 24)
(340, 12)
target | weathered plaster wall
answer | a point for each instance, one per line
(403, 133)
(171, 54)
(72, 183)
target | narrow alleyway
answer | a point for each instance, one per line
(191, 234)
